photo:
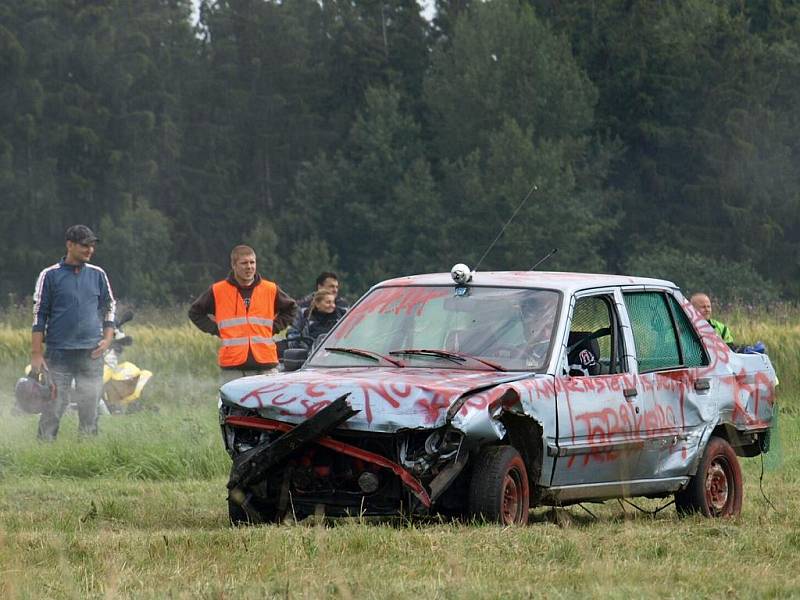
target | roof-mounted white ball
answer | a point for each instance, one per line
(461, 273)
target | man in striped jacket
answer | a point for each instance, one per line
(73, 317)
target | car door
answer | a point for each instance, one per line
(599, 409)
(671, 364)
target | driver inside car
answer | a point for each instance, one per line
(538, 319)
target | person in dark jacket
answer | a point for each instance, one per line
(327, 280)
(73, 317)
(319, 318)
(244, 310)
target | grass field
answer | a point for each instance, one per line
(139, 512)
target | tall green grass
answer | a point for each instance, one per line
(15, 345)
(166, 343)
(179, 348)
(779, 328)
(172, 444)
(182, 440)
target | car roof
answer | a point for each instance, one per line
(555, 280)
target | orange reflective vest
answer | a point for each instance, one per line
(243, 328)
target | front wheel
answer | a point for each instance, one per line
(499, 488)
(716, 488)
(245, 508)
(237, 514)
(259, 511)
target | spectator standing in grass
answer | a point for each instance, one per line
(702, 303)
(244, 310)
(73, 318)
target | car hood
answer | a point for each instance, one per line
(387, 399)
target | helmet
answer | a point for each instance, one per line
(33, 391)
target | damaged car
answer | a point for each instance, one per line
(482, 395)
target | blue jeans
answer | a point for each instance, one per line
(65, 367)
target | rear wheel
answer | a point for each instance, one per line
(716, 488)
(499, 488)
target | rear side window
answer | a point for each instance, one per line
(693, 353)
(653, 331)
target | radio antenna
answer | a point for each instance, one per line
(534, 187)
(544, 258)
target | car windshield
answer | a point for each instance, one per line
(472, 327)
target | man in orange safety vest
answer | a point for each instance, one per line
(244, 310)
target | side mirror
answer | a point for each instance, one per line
(293, 358)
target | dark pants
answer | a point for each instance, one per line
(227, 375)
(65, 367)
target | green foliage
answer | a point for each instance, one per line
(503, 62)
(513, 111)
(307, 259)
(12, 55)
(725, 280)
(376, 204)
(293, 263)
(137, 252)
(698, 93)
(557, 212)
(358, 136)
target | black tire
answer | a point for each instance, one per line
(263, 512)
(716, 489)
(237, 515)
(266, 513)
(499, 490)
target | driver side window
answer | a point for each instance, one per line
(594, 344)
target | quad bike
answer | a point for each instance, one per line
(123, 382)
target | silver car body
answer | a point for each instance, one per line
(637, 426)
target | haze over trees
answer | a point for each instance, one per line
(663, 139)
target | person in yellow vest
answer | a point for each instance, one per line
(702, 304)
(244, 310)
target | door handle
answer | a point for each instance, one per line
(630, 392)
(702, 385)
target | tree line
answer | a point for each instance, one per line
(654, 138)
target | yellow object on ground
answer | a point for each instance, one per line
(123, 384)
